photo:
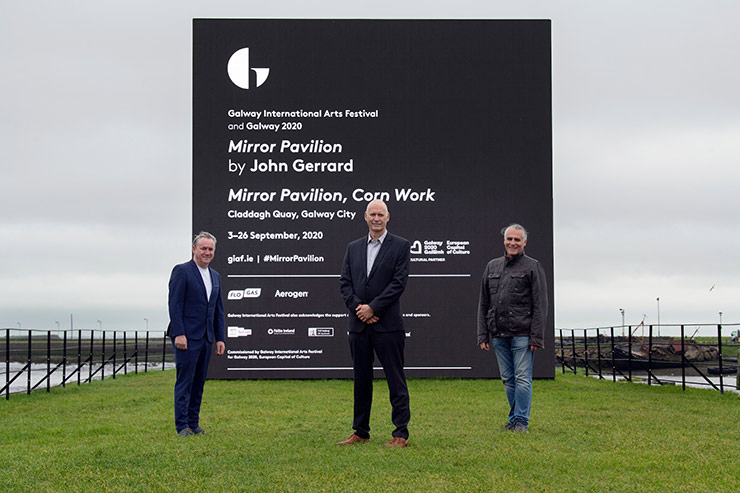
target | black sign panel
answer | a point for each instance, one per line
(297, 124)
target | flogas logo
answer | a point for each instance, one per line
(237, 294)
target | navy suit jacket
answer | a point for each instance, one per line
(382, 288)
(191, 313)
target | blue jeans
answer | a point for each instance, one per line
(515, 361)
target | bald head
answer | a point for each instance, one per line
(376, 202)
(377, 216)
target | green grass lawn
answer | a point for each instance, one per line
(585, 435)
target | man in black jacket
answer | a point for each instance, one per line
(512, 310)
(374, 276)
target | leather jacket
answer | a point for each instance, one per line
(513, 300)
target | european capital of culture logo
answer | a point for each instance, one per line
(240, 72)
(321, 332)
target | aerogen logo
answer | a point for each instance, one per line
(240, 72)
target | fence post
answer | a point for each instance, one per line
(102, 360)
(30, 335)
(89, 370)
(125, 355)
(164, 349)
(79, 356)
(585, 349)
(146, 353)
(737, 378)
(629, 352)
(598, 352)
(115, 342)
(48, 360)
(650, 354)
(64, 360)
(7, 364)
(683, 359)
(719, 358)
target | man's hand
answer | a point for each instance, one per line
(181, 342)
(484, 346)
(533, 348)
(220, 348)
(366, 314)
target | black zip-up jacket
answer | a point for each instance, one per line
(513, 300)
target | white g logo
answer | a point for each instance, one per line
(239, 70)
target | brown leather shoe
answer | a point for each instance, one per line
(353, 439)
(398, 442)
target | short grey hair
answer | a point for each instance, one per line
(517, 227)
(202, 235)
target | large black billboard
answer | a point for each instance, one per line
(297, 124)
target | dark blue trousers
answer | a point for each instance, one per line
(191, 365)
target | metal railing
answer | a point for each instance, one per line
(652, 359)
(47, 358)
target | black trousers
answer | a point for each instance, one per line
(389, 348)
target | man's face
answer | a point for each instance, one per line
(377, 217)
(203, 252)
(514, 242)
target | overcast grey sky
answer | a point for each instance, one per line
(95, 150)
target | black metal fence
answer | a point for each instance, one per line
(47, 358)
(36, 359)
(698, 355)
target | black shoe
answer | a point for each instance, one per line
(198, 431)
(520, 428)
(185, 432)
(508, 426)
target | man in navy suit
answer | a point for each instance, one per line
(196, 321)
(374, 275)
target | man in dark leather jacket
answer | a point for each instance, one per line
(512, 310)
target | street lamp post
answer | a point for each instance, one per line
(621, 310)
(100, 324)
(147, 324)
(658, 300)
